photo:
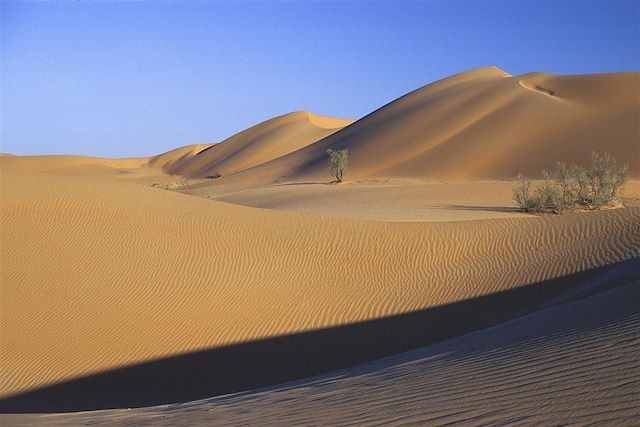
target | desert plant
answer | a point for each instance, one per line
(605, 179)
(339, 162)
(571, 186)
(572, 181)
(169, 187)
(580, 179)
(563, 177)
(521, 193)
(548, 197)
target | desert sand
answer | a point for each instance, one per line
(499, 375)
(117, 293)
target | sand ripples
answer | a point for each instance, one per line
(101, 274)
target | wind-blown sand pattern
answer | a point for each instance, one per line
(181, 274)
(267, 274)
(495, 376)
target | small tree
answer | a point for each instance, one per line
(339, 162)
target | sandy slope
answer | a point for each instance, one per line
(98, 274)
(482, 124)
(99, 270)
(389, 199)
(263, 142)
(570, 364)
(70, 165)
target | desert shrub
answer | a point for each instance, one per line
(169, 187)
(563, 177)
(569, 187)
(548, 197)
(580, 181)
(605, 179)
(521, 193)
(339, 162)
(573, 184)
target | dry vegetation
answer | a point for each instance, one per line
(339, 163)
(571, 187)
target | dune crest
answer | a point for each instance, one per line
(482, 124)
(258, 144)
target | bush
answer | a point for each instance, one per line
(548, 197)
(169, 187)
(605, 179)
(521, 193)
(574, 185)
(570, 186)
(339, 162)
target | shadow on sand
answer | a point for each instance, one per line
(280, 359)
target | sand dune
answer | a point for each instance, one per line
(102, 274)
(483, 124)
(571, 364)
(106, 278)
(70, 165)
(256, 145)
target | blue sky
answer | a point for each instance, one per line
(135, 78)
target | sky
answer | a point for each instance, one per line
(136, 78)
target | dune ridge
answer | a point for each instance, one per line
(482, 124)
(476, 125)
(258, 144)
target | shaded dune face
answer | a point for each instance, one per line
(484, 124)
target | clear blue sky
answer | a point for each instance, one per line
(133, 78)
